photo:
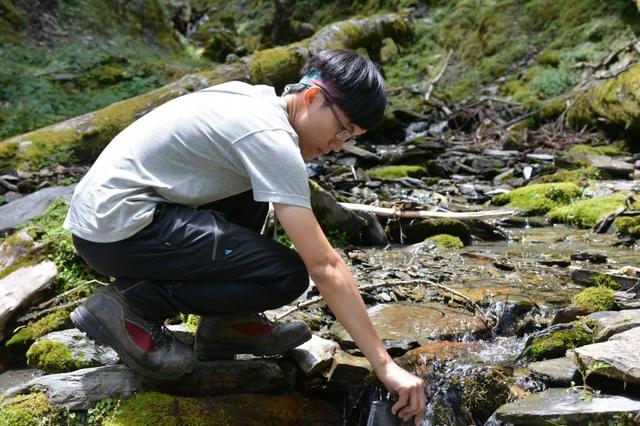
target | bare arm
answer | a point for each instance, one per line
(336, 284)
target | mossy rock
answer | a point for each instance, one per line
(604, 280)
(416, 231)
(613, 106)
(595, 299)
(159, 409)
(628, 225)
(610, 150)
(484, 393)
(586, 213)
(53, 357)
(555, 345)
(396, 172)
(537, 199)
(445, 241)
(28, 410)
(575, 176)
(36, 329)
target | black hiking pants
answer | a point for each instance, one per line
(206, 261)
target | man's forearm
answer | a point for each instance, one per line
(341, 293)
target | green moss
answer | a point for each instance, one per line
(594, 299)
(556, 344)
(28, 410)
(418, 231)
(396, 172)
(575, 176)
(484, 393)
(539, 198)
(586, 213)
(191, 321)
(611, 150)
(10, 14)
(8, 151)
(34, 330)
(446, 241)
(165, 410)
(627, 225)
(604, 280)
(53, 357)
(277, 66)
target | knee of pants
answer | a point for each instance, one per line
(294, 284)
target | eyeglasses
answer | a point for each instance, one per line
(344, 135)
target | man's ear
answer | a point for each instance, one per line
(310, 95)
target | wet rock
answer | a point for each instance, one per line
(30, 206)
(349, 369)
(416, 323)
(555, 372)
(19, 288)
(555, 262)
(423, 359)
(540, 158)
(417, 231)
(585, 277)
(314, 355)
(554, 341)
(609, 323)
(81, 352)
(568, 314)
(589, 257)
(565, 406)
(620, 353)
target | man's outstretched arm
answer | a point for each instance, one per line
(336, 284)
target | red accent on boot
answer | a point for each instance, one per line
(253, 329)
(140, 337)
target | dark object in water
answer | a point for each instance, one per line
(380, 415)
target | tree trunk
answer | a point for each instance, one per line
(82, 138)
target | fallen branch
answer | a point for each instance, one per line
(316, 299)
(424, 214)
(434, 80)
(35, 315)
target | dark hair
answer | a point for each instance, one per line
(360, 88)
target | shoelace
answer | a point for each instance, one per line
(162, 337)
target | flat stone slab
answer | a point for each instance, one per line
(314, 355)
(13, 378)
(30, 206)
(614, 322)
(555, 372)
(349, 369)
(620, 352)
(82, 389)
(564, 406)
(416, 323)
(20, 287)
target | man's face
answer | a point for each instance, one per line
(326, 128)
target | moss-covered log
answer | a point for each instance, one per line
(82, 138)
(613, 106)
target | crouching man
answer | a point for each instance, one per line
(173, 209)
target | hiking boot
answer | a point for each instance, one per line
(145, 346)
(222, 337)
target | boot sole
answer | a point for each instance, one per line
(86, 322)
(213, 352)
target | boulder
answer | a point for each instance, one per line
(19, 288)
(565, 406)
(612, 166)
(314, 355)
(614, 322)
(349, 369)
(15, 248)
(555, 372)
(620, 353)
(30, 206)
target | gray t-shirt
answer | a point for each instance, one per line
(192, 150)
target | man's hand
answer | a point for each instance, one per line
(336, 284)
(408, 388)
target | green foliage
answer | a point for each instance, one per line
(552, 82)
(53, 357)
(190, 321)
(104, 409)
(446, 241)
(595, 299)
(28, 410)
(539, 198)
(338, 238)
(586, 213)
(159, 409)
